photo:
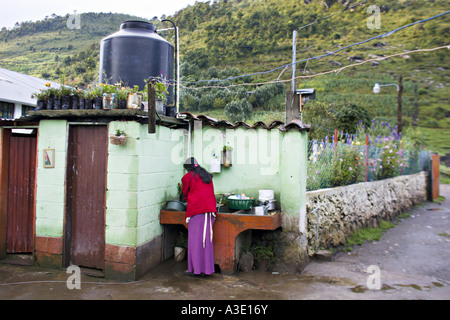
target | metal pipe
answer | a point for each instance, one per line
(177, 66)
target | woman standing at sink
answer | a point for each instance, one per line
(198, 191)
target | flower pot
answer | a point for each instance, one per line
(122, 104)
(41, 105)
(179, 253)
(170, 111)
(98, 103)
(57, 103)
(75, 102)
(226, 158)
(65, 102)
(159, 106)
(118, 140)
(88, 104)
(82, 104)
(110, 101)
(50, 103)
(134, 101)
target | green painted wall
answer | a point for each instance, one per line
(262, 159)
(50, 198)
(142, 176)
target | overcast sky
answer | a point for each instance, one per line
(33, 10)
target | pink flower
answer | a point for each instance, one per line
(350, 168)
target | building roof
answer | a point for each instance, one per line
(295, 124)
(17, 87)
(142, 116)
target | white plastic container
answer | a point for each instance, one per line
(266, 195)
(214, 165)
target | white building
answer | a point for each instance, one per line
(16, 90)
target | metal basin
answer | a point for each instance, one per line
(175, 205)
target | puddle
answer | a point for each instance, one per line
(327, 279)
(362, 289)
(438, 284)
(414, 286)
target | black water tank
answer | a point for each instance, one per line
(134, 53)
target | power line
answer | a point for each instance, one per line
(321, 56)
(336, 71)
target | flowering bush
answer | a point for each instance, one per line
(348, 166)
(332, 165)
(386, 159)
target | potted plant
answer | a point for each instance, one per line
(41, 97)
(134, 100)
(109, 96)
(122, 95)
(119, 139)
(226, 156)
(97, 96)
(89, 97)
(181, 243)
(77, 96)
(64, 93)
(160, 93)
(57, 99)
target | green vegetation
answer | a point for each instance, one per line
(367, 234)
(439, 199)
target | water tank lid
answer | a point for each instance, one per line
(143, 25)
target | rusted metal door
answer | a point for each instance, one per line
(86, 192)
(21, 193)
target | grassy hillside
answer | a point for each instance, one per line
(233, 37)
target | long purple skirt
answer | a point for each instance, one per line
(200, 247)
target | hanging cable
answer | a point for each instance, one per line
(336, 71)
(387, 34)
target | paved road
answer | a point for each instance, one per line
(413, 261)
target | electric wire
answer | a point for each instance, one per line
(336, 71)
(386, 34)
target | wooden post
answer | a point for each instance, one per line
(292, 106)
(367, 157)
(335, 137)
(151, 107)
(399, 111)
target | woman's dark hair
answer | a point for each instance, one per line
(191, 165)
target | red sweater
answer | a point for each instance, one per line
(199, 195)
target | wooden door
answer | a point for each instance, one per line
(21, 193)
(86, 196)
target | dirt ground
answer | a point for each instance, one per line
(413, 260)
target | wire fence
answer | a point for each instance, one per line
(333, 164)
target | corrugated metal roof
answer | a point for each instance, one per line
(172, 122)
(17, 87)
(295, 124)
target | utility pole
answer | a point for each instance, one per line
(294, 59)
(292, 107)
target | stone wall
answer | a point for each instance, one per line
(344, 210)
